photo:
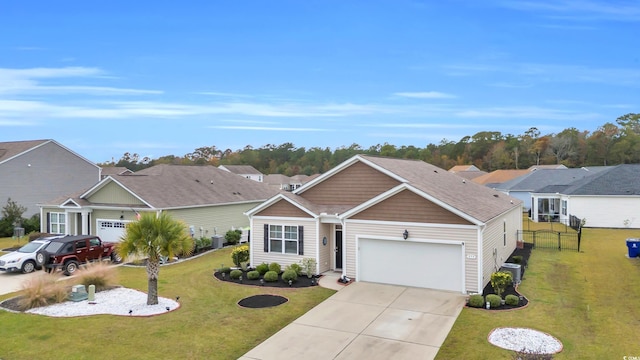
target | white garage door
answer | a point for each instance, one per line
(417, 264)
(111, 230)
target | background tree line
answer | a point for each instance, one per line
(609, 144)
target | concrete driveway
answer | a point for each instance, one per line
(10, 282)
(367, 321)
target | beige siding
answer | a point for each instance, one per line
(257, 242)
(209, 221)
(493, 238)
(351, 186)
(467, 235)
(112, 193)
(406, 206)
(283, 208)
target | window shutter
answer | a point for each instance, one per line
(266, 237)
(300, 240)
(48, 223)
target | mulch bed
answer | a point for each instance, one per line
(262, 301)
(511, 290)
(303, 281)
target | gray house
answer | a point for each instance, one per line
(35, 171)
(208, 200)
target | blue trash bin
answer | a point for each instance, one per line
(634, 247)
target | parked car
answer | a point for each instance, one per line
(69, 252)
(24, 259)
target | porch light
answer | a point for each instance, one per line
(290, 282)
(223, 275)
(405, 234)
(262, 282)
(240, 279)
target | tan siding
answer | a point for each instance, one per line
(257, 242)
(351, 186)
(283, 208)
(112, 193)
(493, 239)
(407, 206)
(467, 235)
(215, 219)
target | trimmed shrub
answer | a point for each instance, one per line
(235, 274)
(499, 281)
(253, 275)
(271, 276)
(511, 300)
(262, 268)
(224, 270)
(295, 267)
(289, 275)
(274, 266)
(476, 301)
(240, 254)
(232, 237)
(100, 274)
(517, 259)
(41, 291)
(309, 266)
(494, 300)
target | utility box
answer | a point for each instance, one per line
(216, 241)
(515, 271)
(78, 293)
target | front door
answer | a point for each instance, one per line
(338, 249)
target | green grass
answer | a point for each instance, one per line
(588, 300)
(209, 325)
(9, 242)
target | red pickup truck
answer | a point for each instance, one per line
(67, 253)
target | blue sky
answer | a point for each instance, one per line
(166, 77)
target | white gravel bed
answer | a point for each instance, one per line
(115, 302)
(527, 340)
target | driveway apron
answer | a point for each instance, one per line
(367, 321)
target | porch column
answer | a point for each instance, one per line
(85, 223)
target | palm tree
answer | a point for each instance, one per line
(155, 236)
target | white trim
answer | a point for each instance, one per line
(64, 204)
(480, 245)
(211, 205)
(282, 218)
(413, 240)
(412, 224)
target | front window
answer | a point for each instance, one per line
(58, 223)
(564, 207)
(283, 239)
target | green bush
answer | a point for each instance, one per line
(295, 267)
(500, 280)
(309, 266)
(476, 300)
(253, 275)
(289, 275)
(240, 254)
(235, 274)
(511, 300)
(271, 276)
(494, 300)
(262, 268)
(274, 266)
(232, 237)
(224, 270)
(517, 259)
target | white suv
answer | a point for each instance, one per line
(24, 259)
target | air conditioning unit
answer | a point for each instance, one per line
(515, 271)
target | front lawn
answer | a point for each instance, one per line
(587, 300)
(209, 325)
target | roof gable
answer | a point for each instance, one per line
(284, 208)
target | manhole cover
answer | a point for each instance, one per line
(262, 301)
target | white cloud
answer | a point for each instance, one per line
(265, 128)
(425, 95)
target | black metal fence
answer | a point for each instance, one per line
(549, 239)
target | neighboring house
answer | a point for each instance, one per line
(114, 170)
(35, 171)
(498, 177)
(544, 181)
(210, 201)
(391, 221)
(547, 167)
(459, 168)
(246, 171)
(608, 198)
(287, 183)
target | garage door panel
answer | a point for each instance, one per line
(110, 230)
(417, 264)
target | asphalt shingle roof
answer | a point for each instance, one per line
(621, 179)
(537, 180)
(12, 148)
